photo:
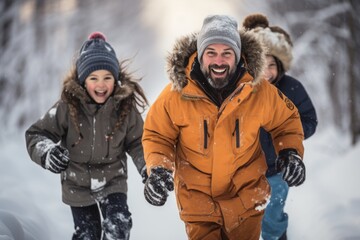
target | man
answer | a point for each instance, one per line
(279, 56)
(204, 129)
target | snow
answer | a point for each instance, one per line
(97, 185)
(326, 206)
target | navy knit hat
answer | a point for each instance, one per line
(219, 29)
(96, 54)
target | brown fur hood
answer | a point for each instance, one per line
(73, 92)
(252, 51)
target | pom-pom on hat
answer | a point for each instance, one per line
(275, 39)
(219, 29)
(96, 54)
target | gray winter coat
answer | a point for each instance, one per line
(98, 139)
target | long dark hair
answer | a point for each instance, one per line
(280, 70)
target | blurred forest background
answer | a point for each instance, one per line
(40, 37)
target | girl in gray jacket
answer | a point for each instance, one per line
(85, 137)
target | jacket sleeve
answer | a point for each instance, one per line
(133, 139)
(160, 134)
(306, 110)
(46, 131)
(282, 121)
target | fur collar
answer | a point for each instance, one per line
(73, 92)
(251, 50)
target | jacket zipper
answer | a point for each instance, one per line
(205, 134)
(108, 137)
(237, 133)
(93, 138)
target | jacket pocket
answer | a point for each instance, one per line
(196, 136)
(206, 134)
(193, 202)
(235, 136)
(247, 203)
(257, 197)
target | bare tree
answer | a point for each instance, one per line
(354, 73)
(325, 34)
(39, 39)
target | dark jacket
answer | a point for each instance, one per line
(98, 139)
(296, 92)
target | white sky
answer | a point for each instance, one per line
(174, 18)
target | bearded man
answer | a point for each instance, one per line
(201, 135)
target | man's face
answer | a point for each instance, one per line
(218, 64)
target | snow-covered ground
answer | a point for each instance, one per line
(327, 206)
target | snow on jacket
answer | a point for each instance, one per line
(295, 91)
(216, 152)
(98, 161)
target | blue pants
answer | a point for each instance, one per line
(275, 221)
(116, 222)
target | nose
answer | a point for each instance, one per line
(219, 59)
(101, 83)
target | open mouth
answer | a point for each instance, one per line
(218, 70)
(100, 93)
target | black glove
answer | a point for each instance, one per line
(56, 159)
(157, 186)
(144, 175)
(290, 163)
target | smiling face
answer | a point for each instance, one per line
(100, 84)
(271, 70)
(218, 64)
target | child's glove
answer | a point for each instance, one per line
(56, 159)
(157, 186)
(292, 166)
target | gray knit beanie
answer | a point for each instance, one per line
(219, 29)
(96, 54)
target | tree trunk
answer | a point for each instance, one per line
(354, 128)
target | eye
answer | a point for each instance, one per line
(210, 53)
(272, 65)
(108, 78)
(227, 54)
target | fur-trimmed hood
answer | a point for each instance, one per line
(277, 41)
(252, 52)
(123, 97)
(73, 92)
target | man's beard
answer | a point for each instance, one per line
(218, 82)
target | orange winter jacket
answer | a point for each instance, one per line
(215, 152)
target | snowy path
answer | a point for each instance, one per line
(327, 206)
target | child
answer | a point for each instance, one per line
(85, 137)
(278, 61)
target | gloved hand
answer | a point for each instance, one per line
(157, 186)
(56, 159)
(144, 175)
(290, 163)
